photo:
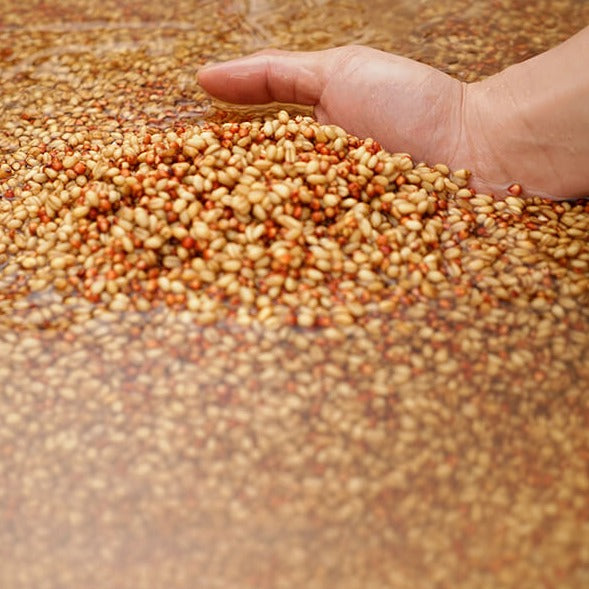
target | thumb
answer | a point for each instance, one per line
(270, 76)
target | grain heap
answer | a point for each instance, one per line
(281, 220)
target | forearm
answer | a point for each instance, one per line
(532, 120)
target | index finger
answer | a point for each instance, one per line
(269, 76)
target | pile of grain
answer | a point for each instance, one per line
(283, 221)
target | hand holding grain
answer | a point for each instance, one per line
(528, 124)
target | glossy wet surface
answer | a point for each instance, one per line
(434, 442)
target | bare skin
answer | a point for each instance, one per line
(528, 124)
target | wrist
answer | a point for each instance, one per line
(528, 125)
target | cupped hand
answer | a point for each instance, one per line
(528, 124)
(403, 104)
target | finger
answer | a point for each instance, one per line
(269, 76)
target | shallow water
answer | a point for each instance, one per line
(426, 446)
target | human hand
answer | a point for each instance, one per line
(528, 124)
(403, 104)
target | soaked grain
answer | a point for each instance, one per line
(405, 408)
